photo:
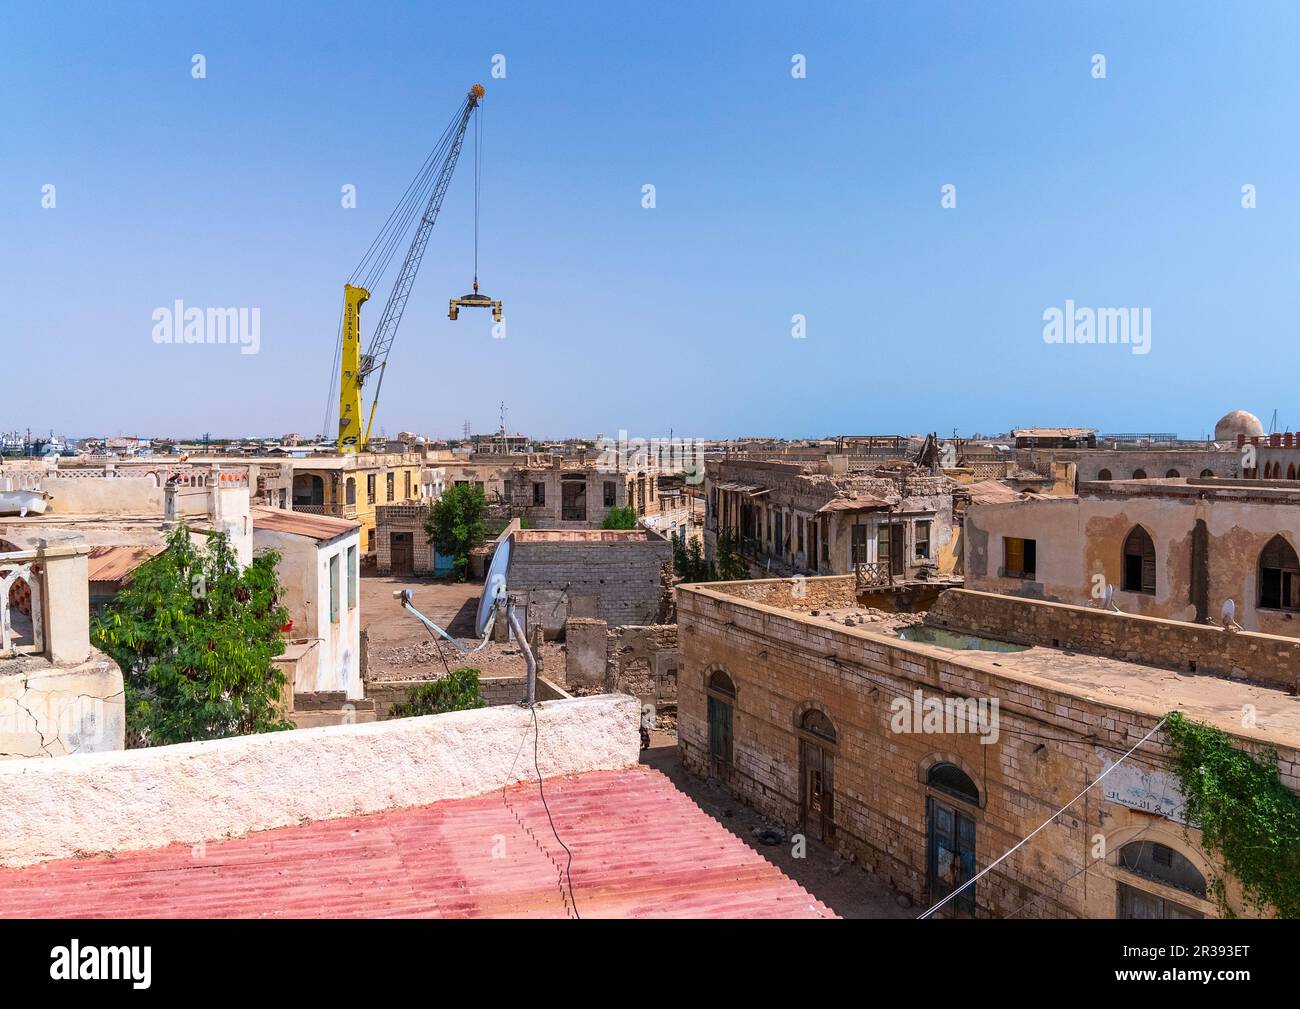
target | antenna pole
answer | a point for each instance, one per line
(513, 619)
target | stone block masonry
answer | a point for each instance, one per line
(1055, 736)
(612, 575)
(1169, 644)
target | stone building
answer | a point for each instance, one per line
(620, 576)
(927, 763)
(559, 492)
(889, 520)
(1166, 548)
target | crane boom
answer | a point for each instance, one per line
(356, 367)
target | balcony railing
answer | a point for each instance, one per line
(21, 605)
(872, 574)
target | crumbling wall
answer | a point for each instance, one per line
(797, 593)
(642, 661)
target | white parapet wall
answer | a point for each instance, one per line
(105, 802)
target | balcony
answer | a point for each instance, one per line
(872, 574)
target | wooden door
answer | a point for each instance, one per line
(402, 548)
(817, 771)
(719, 739)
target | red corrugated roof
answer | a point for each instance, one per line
(113, 564)
(317, 527)
(641, 849)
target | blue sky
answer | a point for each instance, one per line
(776, 196)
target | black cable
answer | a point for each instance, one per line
(568, 869)
(441, 654)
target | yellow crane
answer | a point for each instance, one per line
(423, 198)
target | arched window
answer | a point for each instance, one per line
(1172, 474)
(1139, 562)
(1139, 474)
(1161, 863)
(1290, 471)
(818, 724)
(1279, 576)
(1104, 475)
(720, 683)
(1207, 472)
(350, 491)
(308, 490)
(952, 780)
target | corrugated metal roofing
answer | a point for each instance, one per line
(991, 492)
(858, 503)
(317, 527)
(641, 849)
(113, 564)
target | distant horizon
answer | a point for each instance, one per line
(1208, 436)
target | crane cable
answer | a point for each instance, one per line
(478, 175)
(370, 270)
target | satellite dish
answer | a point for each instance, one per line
(1229, 611)
(494, 587)
(1108, 596)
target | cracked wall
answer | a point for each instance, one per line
(51, 710)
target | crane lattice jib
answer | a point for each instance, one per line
(381, 341)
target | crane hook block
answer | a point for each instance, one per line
(477, 91)
(473, 301)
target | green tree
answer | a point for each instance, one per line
(457, 691)
(195, 637)
(620, 518)
(457, 523)
(731, 566)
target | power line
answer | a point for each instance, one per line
(1025, 840)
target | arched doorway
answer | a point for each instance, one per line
(308, 490)
(950, 805)
(1139, 474)
(1139, 562)
(1279, 576)
(1150, 860)
(817, 741)
(721, 701)
(1104, 474)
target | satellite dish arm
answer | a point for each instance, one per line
(404, 596)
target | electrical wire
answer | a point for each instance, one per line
(1086, 867)
(1025, 840)
(568, 868)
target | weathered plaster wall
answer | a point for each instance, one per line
(194, 792)
(51, 710)
(1079, 539)
(304, 572)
